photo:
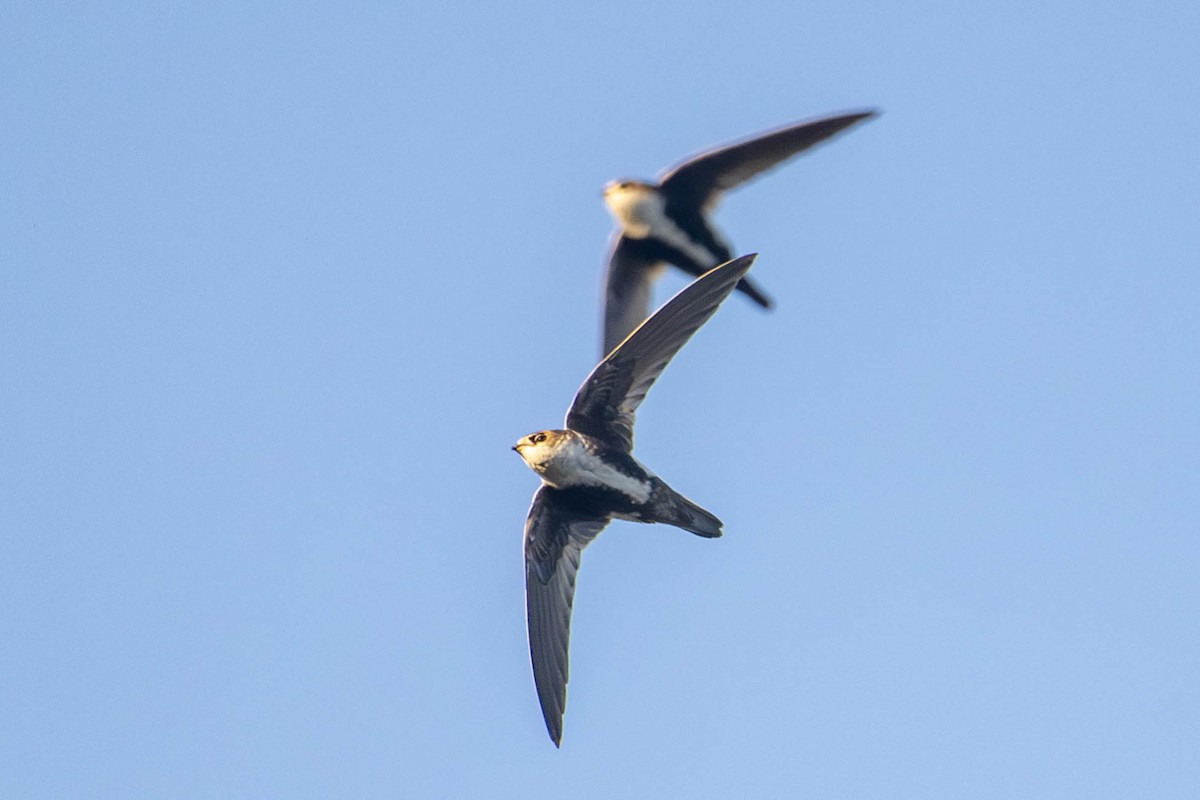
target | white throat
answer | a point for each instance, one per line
(637, 209)
(641, 213)
(568, 462)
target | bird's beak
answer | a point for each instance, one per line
(516, 447)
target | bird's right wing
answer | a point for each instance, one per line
(705, 176)
(627, 287)
(555, 535)
(605, 404)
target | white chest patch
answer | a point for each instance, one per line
(570, 463)
(641, 214)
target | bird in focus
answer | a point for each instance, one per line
(666, 222)
(589, 476)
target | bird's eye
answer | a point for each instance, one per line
(538, 438)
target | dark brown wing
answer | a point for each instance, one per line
(555, 535)
(605, 404)
(627, 288)
(702, 178)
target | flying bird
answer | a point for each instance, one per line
(589, 476)
(666, 222)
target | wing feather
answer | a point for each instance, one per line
(606, 403)
(555, 535)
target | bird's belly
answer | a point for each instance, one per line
(666, 231)
(581, 468)
(644, 217)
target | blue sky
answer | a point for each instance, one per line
(280, 286)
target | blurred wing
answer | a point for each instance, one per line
(626, 291)
(703, 177)
(555, 535)
(605, 404)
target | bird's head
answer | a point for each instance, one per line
(633, 204)
(538, 449)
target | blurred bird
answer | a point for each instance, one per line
(665, 223)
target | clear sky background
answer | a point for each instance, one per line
(281, 284)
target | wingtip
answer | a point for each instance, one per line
(857, 116)
(745, 260)
(863, 112)
(554, 727)
(742, 265)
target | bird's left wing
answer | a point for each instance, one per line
(605, 404)
(555, 535)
